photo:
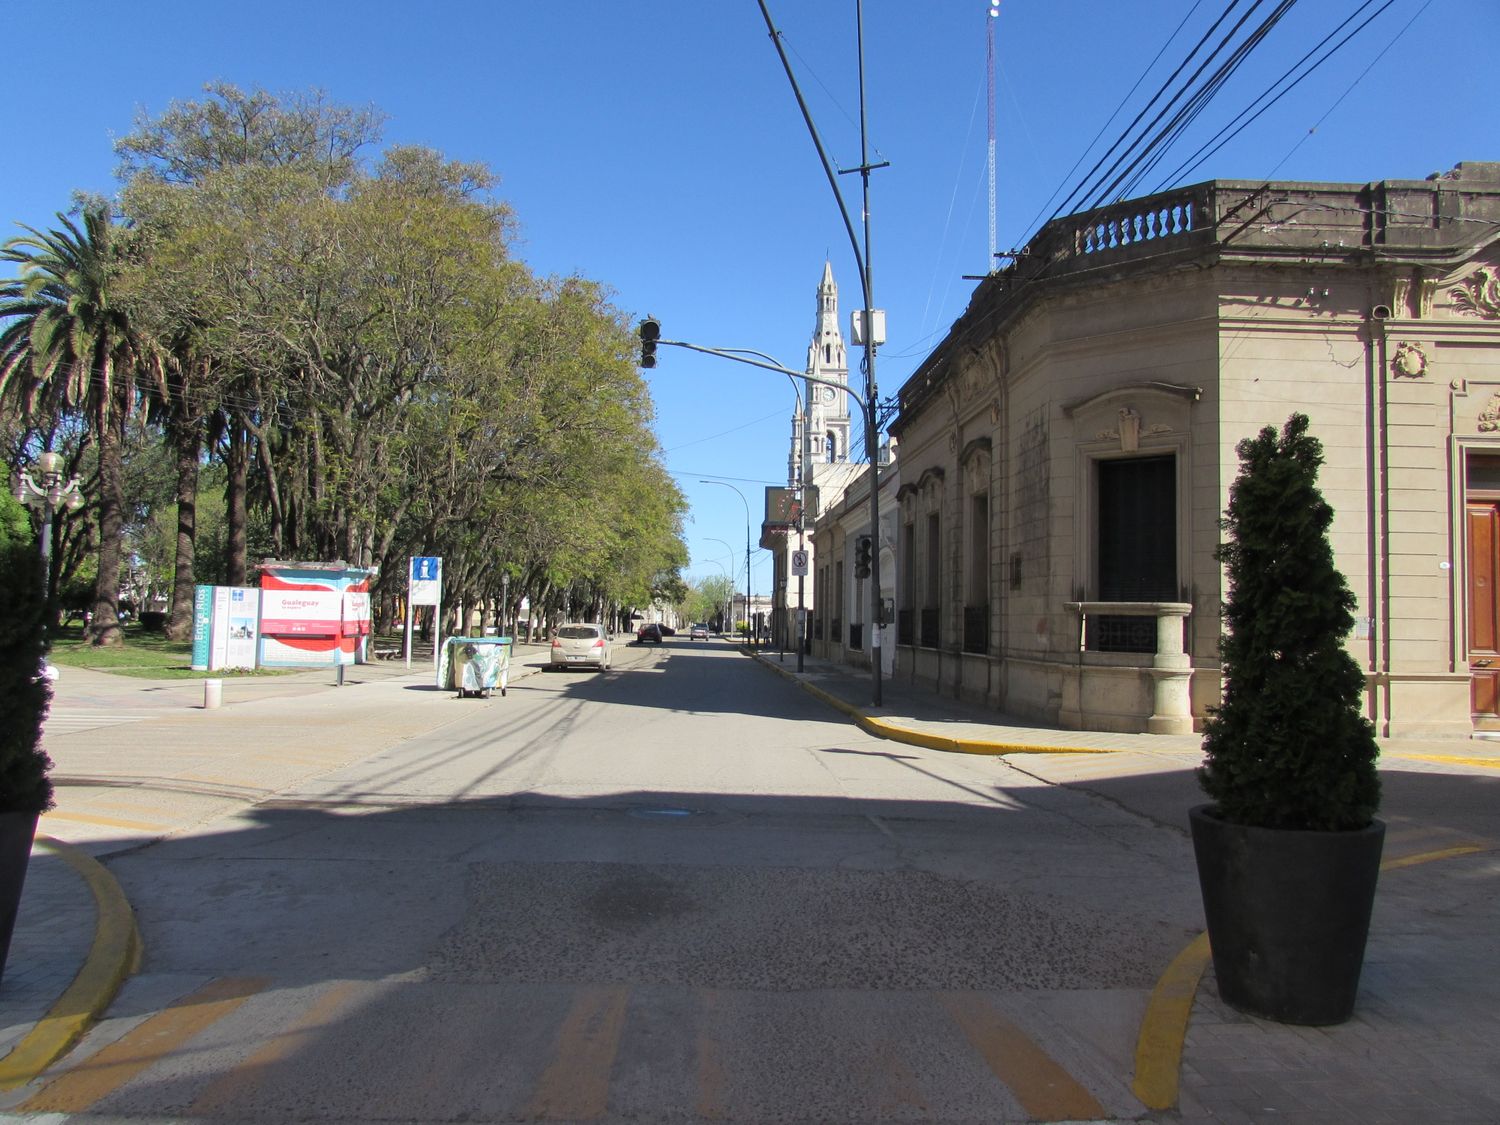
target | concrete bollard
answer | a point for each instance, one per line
(213, 694)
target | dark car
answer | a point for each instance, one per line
(649, 633)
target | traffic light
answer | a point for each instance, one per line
(650, 332)
(863, 549)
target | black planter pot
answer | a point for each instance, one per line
(1288, 913)
(17, 830)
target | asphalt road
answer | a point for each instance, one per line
(683, 890)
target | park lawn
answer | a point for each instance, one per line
(145, 655)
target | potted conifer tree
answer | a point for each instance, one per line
(1289, 850)
(25, 790)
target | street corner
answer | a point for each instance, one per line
(113, 954)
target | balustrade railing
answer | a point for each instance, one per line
(1171, 669)
(1135, 221)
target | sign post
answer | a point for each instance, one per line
(424, 586)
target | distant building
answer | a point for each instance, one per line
(1067, 449)
(818, 462)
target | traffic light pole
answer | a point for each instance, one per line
(862, 260)
(868, 408)
(650, 328)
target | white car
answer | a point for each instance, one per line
(581, 643)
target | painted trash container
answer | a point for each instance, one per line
(474, 665)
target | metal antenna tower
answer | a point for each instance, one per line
(989, 26)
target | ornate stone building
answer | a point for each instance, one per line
(817, 461)
(1067, 449)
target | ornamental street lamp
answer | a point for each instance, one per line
(749, 621)
(48, 492)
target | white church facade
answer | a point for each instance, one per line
(818, 467)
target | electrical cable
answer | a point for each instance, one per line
(1190, 113)
(1081, 188)
(1128, 95)
(1240, 123)
(1340, 100)
(1196, 102)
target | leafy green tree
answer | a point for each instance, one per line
(1289, 746)
(372, 372)
(15, 522)
(67, 342)
(185, 171)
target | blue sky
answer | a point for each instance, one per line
(656, 146)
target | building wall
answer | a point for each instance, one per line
(1186, 349)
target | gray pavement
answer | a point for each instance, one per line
(1420, 1047)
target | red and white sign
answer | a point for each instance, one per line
(356, 613)
(307, 613)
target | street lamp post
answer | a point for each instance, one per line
(728, 573)
(749, 621)
(49, 493)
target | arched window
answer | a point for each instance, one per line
(831, 447)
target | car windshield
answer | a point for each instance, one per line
(578, 632)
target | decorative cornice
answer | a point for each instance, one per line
(1478, 295)
(1175, 390)
(978, 445)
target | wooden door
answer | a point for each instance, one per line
(1484, 609)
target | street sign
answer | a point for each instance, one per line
(426, 580)
(799, 564)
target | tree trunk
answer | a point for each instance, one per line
(188, 441)
(235, 514)
(109, 420)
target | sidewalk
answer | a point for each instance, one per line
(74, 940)
(1420, 1047)
(1429, 1012)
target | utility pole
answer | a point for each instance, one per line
(862, 261)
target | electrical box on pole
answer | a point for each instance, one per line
(857, 326)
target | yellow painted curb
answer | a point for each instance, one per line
(114, 955)
(1450, 759)
(1428, 857)
(882, 729)
(1158, 1048)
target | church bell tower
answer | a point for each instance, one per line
(826, 412)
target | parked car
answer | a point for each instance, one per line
(581, 643)
(667, 630)
(698, 632)
(650, 633)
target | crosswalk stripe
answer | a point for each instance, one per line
(1045, 1090)
(72, 723)
(231, 1089)
(153, 1039)
(573, 1080)
(710, 1062)
(575, 1085)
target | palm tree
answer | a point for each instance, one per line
(66, 345)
